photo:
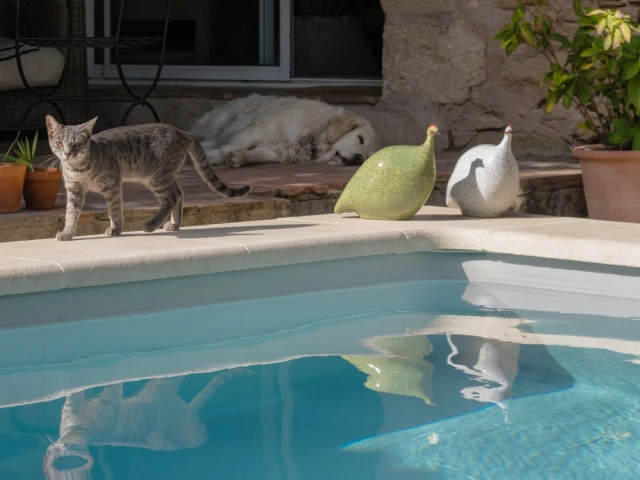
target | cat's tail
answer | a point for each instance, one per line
(206, 171)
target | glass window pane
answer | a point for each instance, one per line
(337, 38)
(202, 32)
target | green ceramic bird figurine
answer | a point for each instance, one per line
(394, 183)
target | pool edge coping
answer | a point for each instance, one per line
(47, 265)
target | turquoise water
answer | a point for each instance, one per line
(409, 379)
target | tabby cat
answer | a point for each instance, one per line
(150, 154)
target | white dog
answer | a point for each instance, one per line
(270, 129)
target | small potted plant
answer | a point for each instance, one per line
(597, 71)
(41, 183)
(12, 175)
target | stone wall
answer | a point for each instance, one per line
(440, 54)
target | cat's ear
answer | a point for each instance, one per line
(88, 126)
(52, 125)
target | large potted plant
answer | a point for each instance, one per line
(597, 71)
(41, 183)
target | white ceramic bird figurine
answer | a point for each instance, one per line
(486, 180)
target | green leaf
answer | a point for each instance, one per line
(564, 41)
(35, 144)
(567, 100)
(505, 43)
(612, 63)
(633, 92)
(626, 32)
(617, 38)
(537, 23)
(607, 42)
(546, 79)
(598, 43)
(630, 70)
(510, 48)
(518, 14)
(590, 52)
(636, 139)
(611, 22)
(622, 132)
(595, 74)
(504, 34)
(552, 99)
(577, 8)
(583, 92)
(527, 34)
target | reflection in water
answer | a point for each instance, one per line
(574, 414)
(156, 418)
(433, 395)
(401, 371)
(491, 363)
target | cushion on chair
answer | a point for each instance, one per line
(42, 66)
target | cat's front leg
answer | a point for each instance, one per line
(113, 196)
(75, 201)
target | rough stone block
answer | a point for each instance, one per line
(438, 63)
(529, 70)
(489, 122)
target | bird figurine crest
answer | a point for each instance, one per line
(394, 183)
(486, 180)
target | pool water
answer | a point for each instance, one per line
(412, 378)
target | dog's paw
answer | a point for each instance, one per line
(64, 236)
(233, 160)
(171, 227)
(113, 232)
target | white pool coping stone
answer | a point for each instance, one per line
(46, 265)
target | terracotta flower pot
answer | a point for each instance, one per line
(41, 188)
(11, 182)
(611, 180)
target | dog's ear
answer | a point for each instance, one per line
(338, 127)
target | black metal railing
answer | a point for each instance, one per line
(116, 43)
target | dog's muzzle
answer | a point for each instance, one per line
(356, 160)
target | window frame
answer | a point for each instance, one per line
(214, 75)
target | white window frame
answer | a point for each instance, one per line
(212, 75)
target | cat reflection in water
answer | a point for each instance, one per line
(156, 418)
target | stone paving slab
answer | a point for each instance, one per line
(284, 191)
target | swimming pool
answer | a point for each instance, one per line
(424, 365)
